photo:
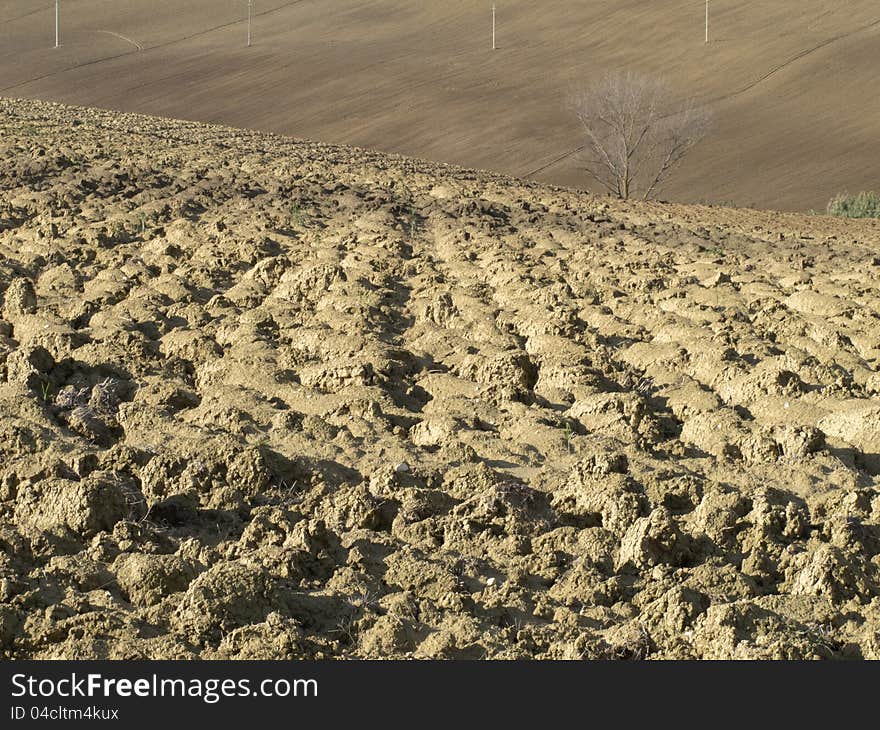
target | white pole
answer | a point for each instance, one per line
(250, 5)
(493, 28)
(57, 32)
(707, 21)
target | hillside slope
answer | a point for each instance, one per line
(266, 398)
(794, 124)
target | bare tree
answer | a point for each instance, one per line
(634, 135)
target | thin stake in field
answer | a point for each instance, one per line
(493, 28)
(707, 21)
(57, 23)
(250, 13)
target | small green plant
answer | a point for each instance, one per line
(117, 230)
(136, 228)
(298, 216)
(863, 205)
(45, 387)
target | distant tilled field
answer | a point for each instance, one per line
(262, 398)
(785, 82)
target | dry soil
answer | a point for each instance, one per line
(262, 398)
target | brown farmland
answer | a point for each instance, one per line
(790, 85)
(262, 398)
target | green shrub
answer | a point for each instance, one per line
(863, 205)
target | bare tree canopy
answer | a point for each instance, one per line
(634, 135)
